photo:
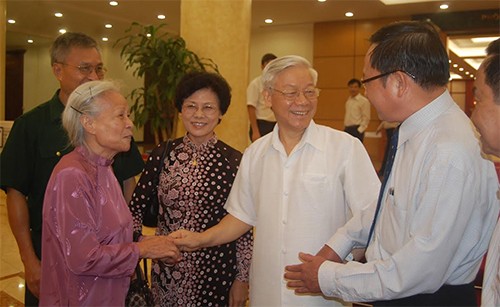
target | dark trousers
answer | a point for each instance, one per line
(29, 298)
(353, 130)
(459, 295)
(264, 127)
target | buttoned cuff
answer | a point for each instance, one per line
(326, 278)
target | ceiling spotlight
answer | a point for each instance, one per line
(161, 16)
(113, 3)
(349, 14)
(444, 6)
(148, 35)
(321, 0)
(58, 15)
(467, 72)
(11, 21)
(62, 31)
(108, 26)
(268, 20)
(461, 69)
(455, 65)
(30, 41)
(104, 39)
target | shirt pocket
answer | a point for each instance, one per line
(392, 224)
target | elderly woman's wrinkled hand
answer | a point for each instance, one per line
(159, 247)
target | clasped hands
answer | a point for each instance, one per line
(302, 278)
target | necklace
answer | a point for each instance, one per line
(194, 161)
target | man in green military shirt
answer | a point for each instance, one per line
(37, 142)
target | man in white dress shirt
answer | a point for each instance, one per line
(486, 118)
(296, 186)
(357, 111)
(439, 207)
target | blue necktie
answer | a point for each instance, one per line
(387, 171)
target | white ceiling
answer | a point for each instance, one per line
(35, 19)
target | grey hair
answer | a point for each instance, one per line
(82, 101)
(62, 45)
(276, 66)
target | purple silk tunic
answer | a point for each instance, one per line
(87, 250)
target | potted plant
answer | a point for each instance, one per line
(162, 59)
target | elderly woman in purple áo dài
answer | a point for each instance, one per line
(87, 253)
(193, 187)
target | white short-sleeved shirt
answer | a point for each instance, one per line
(255, 99)
(297, 202)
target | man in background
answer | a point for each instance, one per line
(437, 208)
(486, 118)
(261, 116)
(357, 111)
(37, 142)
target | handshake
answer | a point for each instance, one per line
(168, 248)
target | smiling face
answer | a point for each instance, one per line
(68, 74)
(486, 115)
(292, 115)
(201, 114)
(110, 132)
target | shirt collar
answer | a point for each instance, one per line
(310, 136)
(424, 117)
(56, 107)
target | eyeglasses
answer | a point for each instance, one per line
(86, 69)
(364, 81)
(310, 93)
(192, 108)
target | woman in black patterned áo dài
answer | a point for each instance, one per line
(193, 187)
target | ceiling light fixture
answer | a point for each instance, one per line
(486, 40)
(349, 14)
(30, 41)
(321, 0)
(108, 26)
(104, 39)
(58, 15)
(62, 31)
(113, 3)
(455, 65)
(11, 21)
(268, 20)
(161, 16)
(444, 6)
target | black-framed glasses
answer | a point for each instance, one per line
(364, 81)
(87, 69)
(310, 93)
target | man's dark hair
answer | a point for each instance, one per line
(353, 81)
(492, 68)
(266, 58)
(414, 47)
(64, 42)
(194, 81)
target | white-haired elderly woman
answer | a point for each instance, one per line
(88, 254)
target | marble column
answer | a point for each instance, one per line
(220, 30)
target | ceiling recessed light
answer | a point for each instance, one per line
(461, 69)
(30, 41)
(148, 35)
(349, 14)
(11, 21)
(268, 20)
(104, 39)
(59, 15)
(321, 0)
(455, 65)
(113, 3)
(108, 26)
(62, 31)
(161, 16)
(444, 6)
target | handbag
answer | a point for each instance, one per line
(139, 294)
(150, 216)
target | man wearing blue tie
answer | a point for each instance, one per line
(438, 207)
